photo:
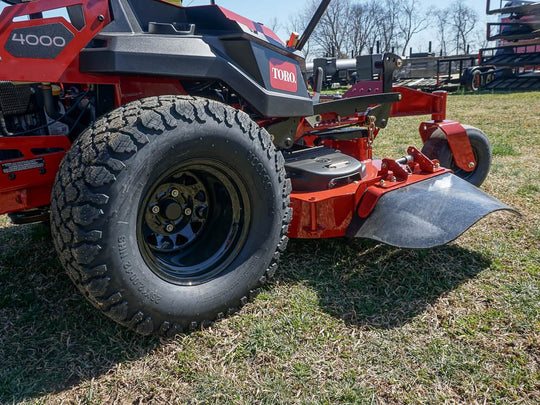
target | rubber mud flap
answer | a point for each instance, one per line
(426, 214)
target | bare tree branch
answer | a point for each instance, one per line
(332, 30)
(388, 24)
(363, 27)
(463, 20)
(441, 22)
(410, 22)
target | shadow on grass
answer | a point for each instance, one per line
(369, 284)
(51, 338)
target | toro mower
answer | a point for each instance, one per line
(176, 149)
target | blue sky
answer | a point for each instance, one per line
(265, 11)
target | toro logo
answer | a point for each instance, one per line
(283, 76)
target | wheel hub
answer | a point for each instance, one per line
(173, 211)
(169, 214)
(192, 222)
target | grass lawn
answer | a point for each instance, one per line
(344, 321)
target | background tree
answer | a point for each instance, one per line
(388, 24)
(330, 35)
(298, 23)
(463, 21)
(363, 27)
(410, 22)
(351, 27)
(332, 31)
(441, 22)
(274, 24)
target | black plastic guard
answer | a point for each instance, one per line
(426, 214)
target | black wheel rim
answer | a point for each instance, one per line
(193, 221)
(476, 82)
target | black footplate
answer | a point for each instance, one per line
(321, 168)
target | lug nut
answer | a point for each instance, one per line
(155, 209)
(471, 165)
(175, 193)
(187, 212)
(169, 228)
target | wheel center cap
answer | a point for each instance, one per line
(172, 211)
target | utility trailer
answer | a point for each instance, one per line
(432, 73)
(514, 64)
(176, 149)
(425, 72)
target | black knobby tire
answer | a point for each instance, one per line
(475, 81)
(171, 212)
(436, 147)
(479, 79)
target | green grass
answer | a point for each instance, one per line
(504, 149)
(344, 321)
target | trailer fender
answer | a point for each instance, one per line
(425, 214)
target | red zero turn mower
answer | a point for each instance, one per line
(176, 149)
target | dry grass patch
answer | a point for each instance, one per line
(345, 321)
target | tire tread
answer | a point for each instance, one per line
(80, 194)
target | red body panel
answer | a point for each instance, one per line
(251, 24)
(323, 214)
(134, 88)
(30, 187)
(96, 15)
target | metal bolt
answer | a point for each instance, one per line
(201, 211)
(471, 165)
(169, 228)
(382, 183)
(288, 142)
(187, 212)
(155, 209)
(175, 193)
(100, 18)
(437, 166)
(393, 179)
